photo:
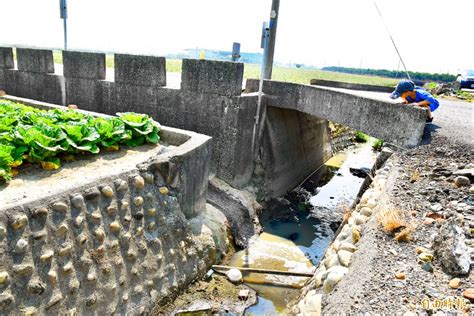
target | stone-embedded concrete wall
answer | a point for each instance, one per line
(394, 123)
(113, 234)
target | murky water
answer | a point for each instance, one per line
(298, 229)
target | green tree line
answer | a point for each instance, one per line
(422, 76)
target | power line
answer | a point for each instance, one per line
(391, 38)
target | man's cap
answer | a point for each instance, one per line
(402, 86)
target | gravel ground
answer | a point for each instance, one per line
(453, 120)
(421, 185)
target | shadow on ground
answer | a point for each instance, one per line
(427, 133)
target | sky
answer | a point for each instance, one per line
(431, 35)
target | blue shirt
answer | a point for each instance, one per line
(423, 95)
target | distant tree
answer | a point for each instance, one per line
(420, 76)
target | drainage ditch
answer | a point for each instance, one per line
(297, 230)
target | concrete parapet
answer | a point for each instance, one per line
(215, 77)
(6, 58)
(2, 79)
(351, 86)
(32, 85)
(35, 60)
(83, 65)
(140, 70)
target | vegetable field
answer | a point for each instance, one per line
(30, 135)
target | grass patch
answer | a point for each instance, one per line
(304, 76)
(378, 144)
(465, 96)
(361, 137)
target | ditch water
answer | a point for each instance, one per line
(298, 229)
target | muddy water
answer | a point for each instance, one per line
(298, 229)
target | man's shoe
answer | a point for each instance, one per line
(429, 119)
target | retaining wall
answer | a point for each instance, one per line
(113, 233)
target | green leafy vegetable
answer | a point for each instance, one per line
(46, 137)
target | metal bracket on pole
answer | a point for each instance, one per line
(63, 15)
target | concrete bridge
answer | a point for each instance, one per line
(292, 140)
(383, 119)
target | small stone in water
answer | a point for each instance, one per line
(243, 294)
(234, 275)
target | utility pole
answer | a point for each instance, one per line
(63, 15)
(271, 40)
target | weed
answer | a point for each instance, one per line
(415, 176)
(430, 85)
(361, 137)
(394, 222)
(405, 234)
(466, 96)
(346, 213)
(378, 144)
(391, 220)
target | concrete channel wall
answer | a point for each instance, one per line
(108, 234)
